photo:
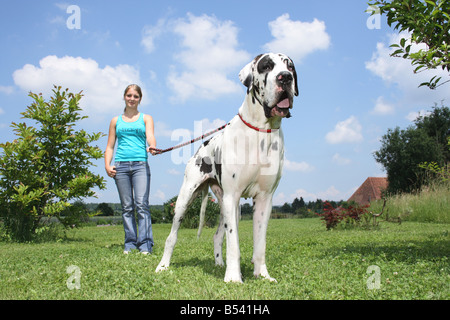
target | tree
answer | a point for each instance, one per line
(428, 22)
(105, 209)
(286, 208)
(437, 125)
(402, 151)
(298, 204)
(46, 167)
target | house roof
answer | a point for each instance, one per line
(370, 190)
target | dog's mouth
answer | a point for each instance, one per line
(281, 109)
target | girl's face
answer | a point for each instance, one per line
(132, 98)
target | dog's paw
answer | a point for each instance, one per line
(233, 277)
(219, 263)
(160, 268)
(267, 277)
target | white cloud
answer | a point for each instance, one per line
(347, 131)
(150, 33)
(158, 195)
(102, 87)
(330, 194)
(173, 172)
(382, 107)
(399, 72)
(412, 116)
(338, 159)
(205, 125)
(209, 53)
(297, 39)
(297, 166)
(7, 89)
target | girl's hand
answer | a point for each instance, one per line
(111, 171)
(152, 151)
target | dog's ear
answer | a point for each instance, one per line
(246, 75)
(295, 78)
(296, 83)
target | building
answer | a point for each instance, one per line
(370, 190)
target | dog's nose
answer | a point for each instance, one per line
(284, 78)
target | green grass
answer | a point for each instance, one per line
(431, 204)
(308, 262)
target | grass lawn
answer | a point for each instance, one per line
(309, 263)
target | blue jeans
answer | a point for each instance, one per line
(133, 183)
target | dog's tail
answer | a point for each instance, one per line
(202, 211)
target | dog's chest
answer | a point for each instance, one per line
(253, 162)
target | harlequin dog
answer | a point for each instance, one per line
(244, 160)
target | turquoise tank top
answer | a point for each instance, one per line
(131, 140)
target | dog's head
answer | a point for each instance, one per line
(271, 79)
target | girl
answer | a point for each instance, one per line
(133, 131)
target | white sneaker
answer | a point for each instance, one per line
(126, 252)
(145, 252)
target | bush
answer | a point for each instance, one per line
(46, 167)
(192, 215)
(352, 215)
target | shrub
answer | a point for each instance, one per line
(46, 167)
(192, 215)
(351, 215)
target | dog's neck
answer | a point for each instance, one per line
(253, 112)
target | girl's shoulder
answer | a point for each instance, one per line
(148, 117)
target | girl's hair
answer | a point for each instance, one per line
(135, 87)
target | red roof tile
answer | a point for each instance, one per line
(370, 190)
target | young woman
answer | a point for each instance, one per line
(133, 131)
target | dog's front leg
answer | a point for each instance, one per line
(233, 269)
(261, 214)
(185, 197)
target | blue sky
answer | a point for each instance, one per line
(186, 55)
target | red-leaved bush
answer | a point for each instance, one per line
(333, 216)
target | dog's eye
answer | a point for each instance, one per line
(265, 65)
(289, 65)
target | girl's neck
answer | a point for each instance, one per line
(130, 113)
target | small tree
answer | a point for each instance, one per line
(46, 167)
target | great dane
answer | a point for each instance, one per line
(244, 160)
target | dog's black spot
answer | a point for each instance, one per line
(265, 64)
(231, 230)
(275, 146)
(217, 255)
(205, 164)
(248, 81)
(180, 220)
(265, 79)
(267, 110)
(234, 175)
(225, 225)
(218, 164)
(206, 142)
(262, 144)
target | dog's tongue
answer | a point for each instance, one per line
(283, 104)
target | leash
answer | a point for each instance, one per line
(160, 151)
